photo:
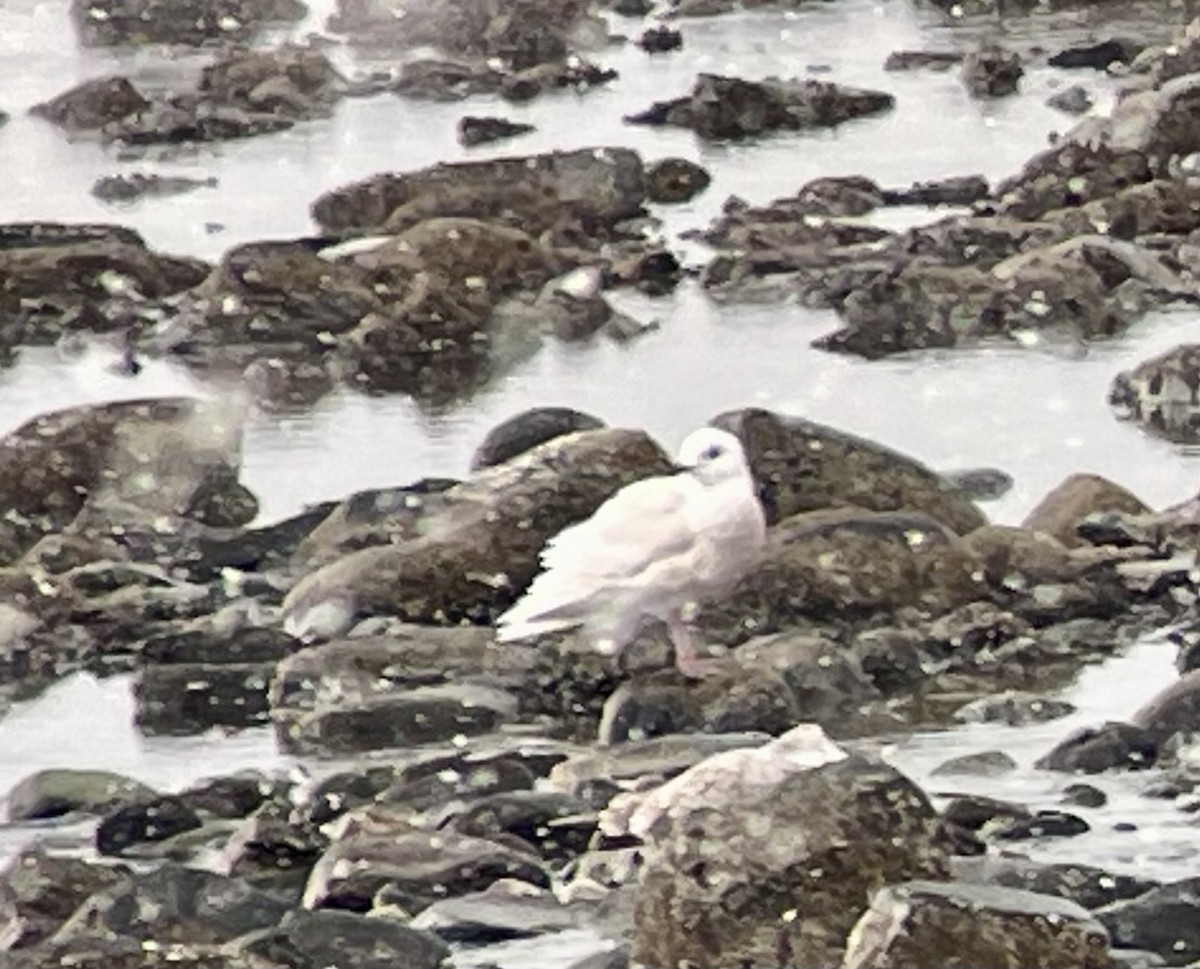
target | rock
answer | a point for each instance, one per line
(1083, 795)
(1071, 175)
(108, 23)
(955, 190)
(1014, 708)
(921, 923)
(804, 466)
(1163, 920)
(173, 904)
(291, 82)
(234, 796)
(1173, 712)
(988, 763)
(976, 813)
(408, 718)
(980, 484)
(481, 131)
(503, 911)
(1162, 394)
(715, 893)
(483, 551)
(1092, 750)
(524, 431)
(727, 108)
(93, 104)
(1083, 884)
(913, 60)
(660, 39)
(155, 820)
(1072, 100)
(991, 72)
(557, 826)
(1016, 558)
(418, 867)
(46, 890)
(595, 187)
(139, 185)
(54, 792)
(1043, 824)
(1098, 56)
(675, 180)
(314, 940)
(275, 849)
(1077, 497)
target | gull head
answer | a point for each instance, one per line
(712, 456)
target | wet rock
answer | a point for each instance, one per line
(660, 39)
(722, 108)
(1098, 56)
(105, 23)
(981, 484)
(1015, 708)
(45, 890)
(955, 190)
(1092, 750)
(976, 813)
(1072, 100)
(715, 893)
(1163, 920)
(675, 180)
(1172, 713)
(921, 923)
(1078, 496)
(1083, 795)
(418, 868)
(1043, 824)
(1086, 885)
(173, 904)
(235, 796)
(505, 910)
(474, 130)
(275, 849)
(1163, 394)
(291, 82)
(54, 792)
(528, 429)
(914, 60)
(594, 187)
(313, 940)
(1017, 559)
(803, 466)
(407, 718)
(1153, 122)
(185, 698)
(471, 561)
(556, 826)
(574, 74)
(93, 104)
(991, 71)
(739, 700)
(1069, 175)
(632, 8)
(988, 763)
(154, 820)
(139, 185)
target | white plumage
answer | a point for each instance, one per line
(653, 549)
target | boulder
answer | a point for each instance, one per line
(923, 923)
(1113, 745)
(991, 71)
(1173, 713)
(1058, 514)
(145, 821)
(45, 890)
(1163, 920)
(1163, 394)
(526, 430)
(674, 180)
(54, 792)
(1085, 885)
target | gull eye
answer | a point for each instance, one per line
(712, 452)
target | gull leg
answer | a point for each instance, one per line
(686, 660)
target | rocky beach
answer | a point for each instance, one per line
(343, 311)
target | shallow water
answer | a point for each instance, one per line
(1039, 413)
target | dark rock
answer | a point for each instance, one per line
(675, 180)
(108, 23)
(955, 190)
(131, 188)
(1044, 824)
(714, 892)
(173, 904)
(1162, 394)
(1163, 920)
(912, 60)
(1014, 708)
(1072, 100)
(1099, 55)
(45, 890)
(188, 698)
(1172, 713)
(334, 795)
(1083, 795)
(54, 792)
(557, 826)
(497, 914)
(1078, 496)
(921, 923)
(633, 8)
(981, 484)
(724, 107)
(658, 40)
(155, 820)
(988, 763)
(234, 796)
(991, 72)
(474, 130)
(804, 466)
(1071, 175)
(1088, 886)
(596, 187)
(314, 940)
(275, 849)
(418, 867)
(1092, 750)
(93, 104)
(524, 431)
(494, 525)
(974, 812)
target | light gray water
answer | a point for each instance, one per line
(1038, 413)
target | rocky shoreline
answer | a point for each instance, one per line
(458, 793)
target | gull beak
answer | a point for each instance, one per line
(680, 469)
